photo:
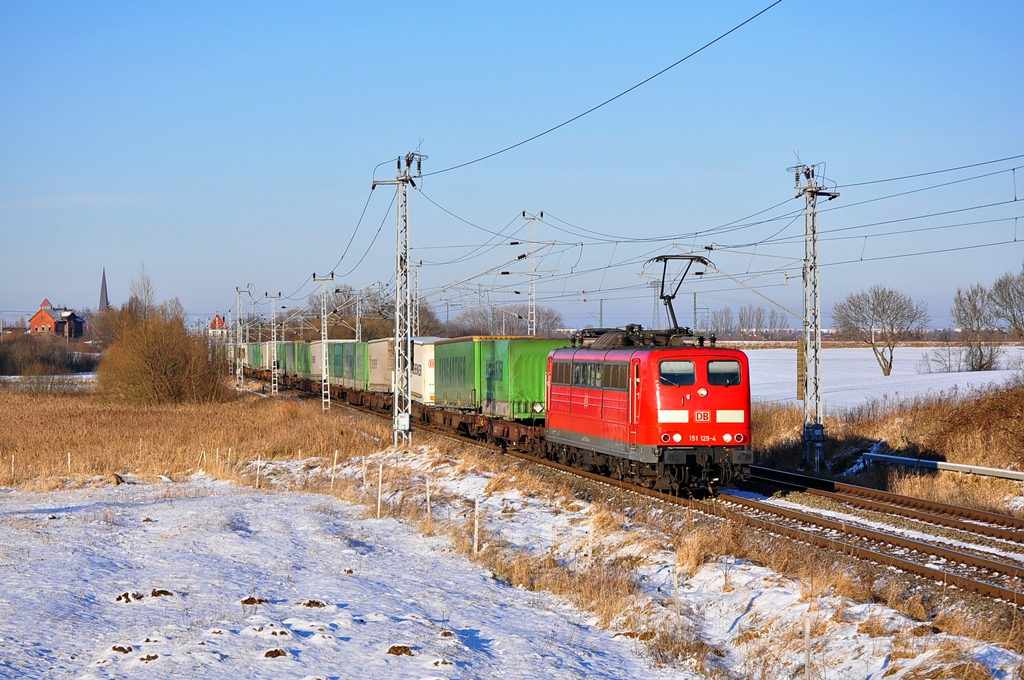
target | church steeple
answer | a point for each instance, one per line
(104, 303)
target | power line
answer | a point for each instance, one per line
(608, 101)
(933, 172)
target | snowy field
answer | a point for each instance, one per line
(148, 580)
(851, 377)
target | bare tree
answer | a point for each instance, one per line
(505, 320)
(974, 312)
(752, 321)
(778, 322)
(721, 323)
(1008, 301)
(881, 318)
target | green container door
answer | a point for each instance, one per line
(336, 360)
(253, 354)
(514, 382)
(359, 373)
(302, 359)
(457, 373)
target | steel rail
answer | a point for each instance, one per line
(980, 587)
(985, 589)
(890, 509)
(934, 507)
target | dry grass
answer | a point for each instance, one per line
(976, 429)
(40, 430)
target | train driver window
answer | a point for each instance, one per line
(677, 373)
(724, 373)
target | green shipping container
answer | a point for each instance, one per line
(498, 376)
(302, 359)
(253, 355)
(335, 359)
(354, 360)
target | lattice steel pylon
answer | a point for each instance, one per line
(325, 374)
(239, 374)
(274, 368)
(531, 303)
(814, 434)
(402, 410)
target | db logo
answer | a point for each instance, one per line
(430, 363)
(702, 416)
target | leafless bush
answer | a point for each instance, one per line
(153, 359)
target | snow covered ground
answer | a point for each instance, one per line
(148, 580)
(851, 377)
(83, 570)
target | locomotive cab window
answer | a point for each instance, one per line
(724, 373)
(677, 373)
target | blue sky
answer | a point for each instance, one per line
(227, 143)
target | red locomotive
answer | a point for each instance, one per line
(651, 408)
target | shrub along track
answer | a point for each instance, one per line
(970, 573)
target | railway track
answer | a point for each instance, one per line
(1003, 527)
(971, 573)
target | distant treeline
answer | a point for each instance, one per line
(24, 354)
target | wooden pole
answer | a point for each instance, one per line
(380, 486)
(807, 648)
(476, 526)
(429, 516)
(675, 594)
(69, 463)
(334, 468)
(259, 464)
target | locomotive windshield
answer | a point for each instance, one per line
(724, 373)
(677, 373)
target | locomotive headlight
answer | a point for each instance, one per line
(726, 438)
(703, 391)
(677, 437)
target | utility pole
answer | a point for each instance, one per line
(415, 309)
(325, 375)
(402, 410)
(239, 371)
(600, 313)
(814, 431)
(274, 368)
(531, 314)
(359, 317)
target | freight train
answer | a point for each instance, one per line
(661, 409)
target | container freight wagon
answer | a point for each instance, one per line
(421, 382)
(334, 360)
(382, 365)
(498, 376)
(302, 358)
(254, 356)
(355, 365)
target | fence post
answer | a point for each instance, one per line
(259, 464)
(69, 463)
(807, 648)
(334, 468)
(675, 592)
(380, 486)
(476, 525)
(430, 518)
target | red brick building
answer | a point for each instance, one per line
(51, 320)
